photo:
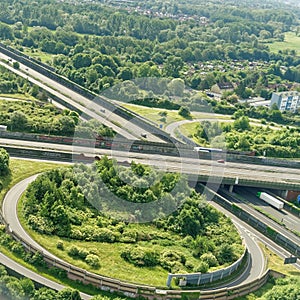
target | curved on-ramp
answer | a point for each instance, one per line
(9, 209)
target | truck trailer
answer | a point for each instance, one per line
(270, 200)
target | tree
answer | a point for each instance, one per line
(202, 267)
(184, 112)
(68, 294)
(176, 87)
(242, 124)
(225, 253)
(173, 66)
(67, 125)
(243, 143)
(18, 120)
(125, 74)
(44, 294)
(16, 65)
(4, 162)
(81, 60)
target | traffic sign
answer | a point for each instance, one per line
(298, 198)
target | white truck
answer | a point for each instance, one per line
(270, 200)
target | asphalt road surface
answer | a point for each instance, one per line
(290, 221)
(9, 209)
(288, 234)
(183, 165)
(106, 117)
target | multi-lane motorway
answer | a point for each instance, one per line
(182, 164)
(185, 165)
(287, 233)
(89, 108)
(248, 196)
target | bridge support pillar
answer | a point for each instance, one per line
(231, 188)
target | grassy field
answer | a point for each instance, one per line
(18, 96)
(38, 54)
(112, 265)
(189, 129)
(153, 114)
(291, 42)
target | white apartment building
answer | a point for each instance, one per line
(289, 101)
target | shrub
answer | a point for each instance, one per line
(73, 251)
(140, 257)
(210, 259)
(104, 235)
(202, 267)
(37, 259)
(60, 245)
(184, 112)
(172, 260)
(40, 224)
(17, 248)
(93, 260)
(129, 236)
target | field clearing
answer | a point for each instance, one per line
(291, 42)
(38, 54)
(153, 114)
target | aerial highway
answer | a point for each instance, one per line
(245, 206)
(89, 108)
(186, 165)
(249, 196)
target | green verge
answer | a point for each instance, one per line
(112, 265)
(152, 113)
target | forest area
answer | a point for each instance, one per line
(189, 47)
(98, 46)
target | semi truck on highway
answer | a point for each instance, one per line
(270, 200)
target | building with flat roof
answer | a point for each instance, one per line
(286, 101)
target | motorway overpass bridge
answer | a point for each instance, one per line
(212, 172)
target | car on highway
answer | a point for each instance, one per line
(221, 161)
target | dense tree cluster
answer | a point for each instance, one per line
(23, 288)
(285, 289)
(240, 135)
(119, 45)
(11, 83)
(41, 117)
(71, 204)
